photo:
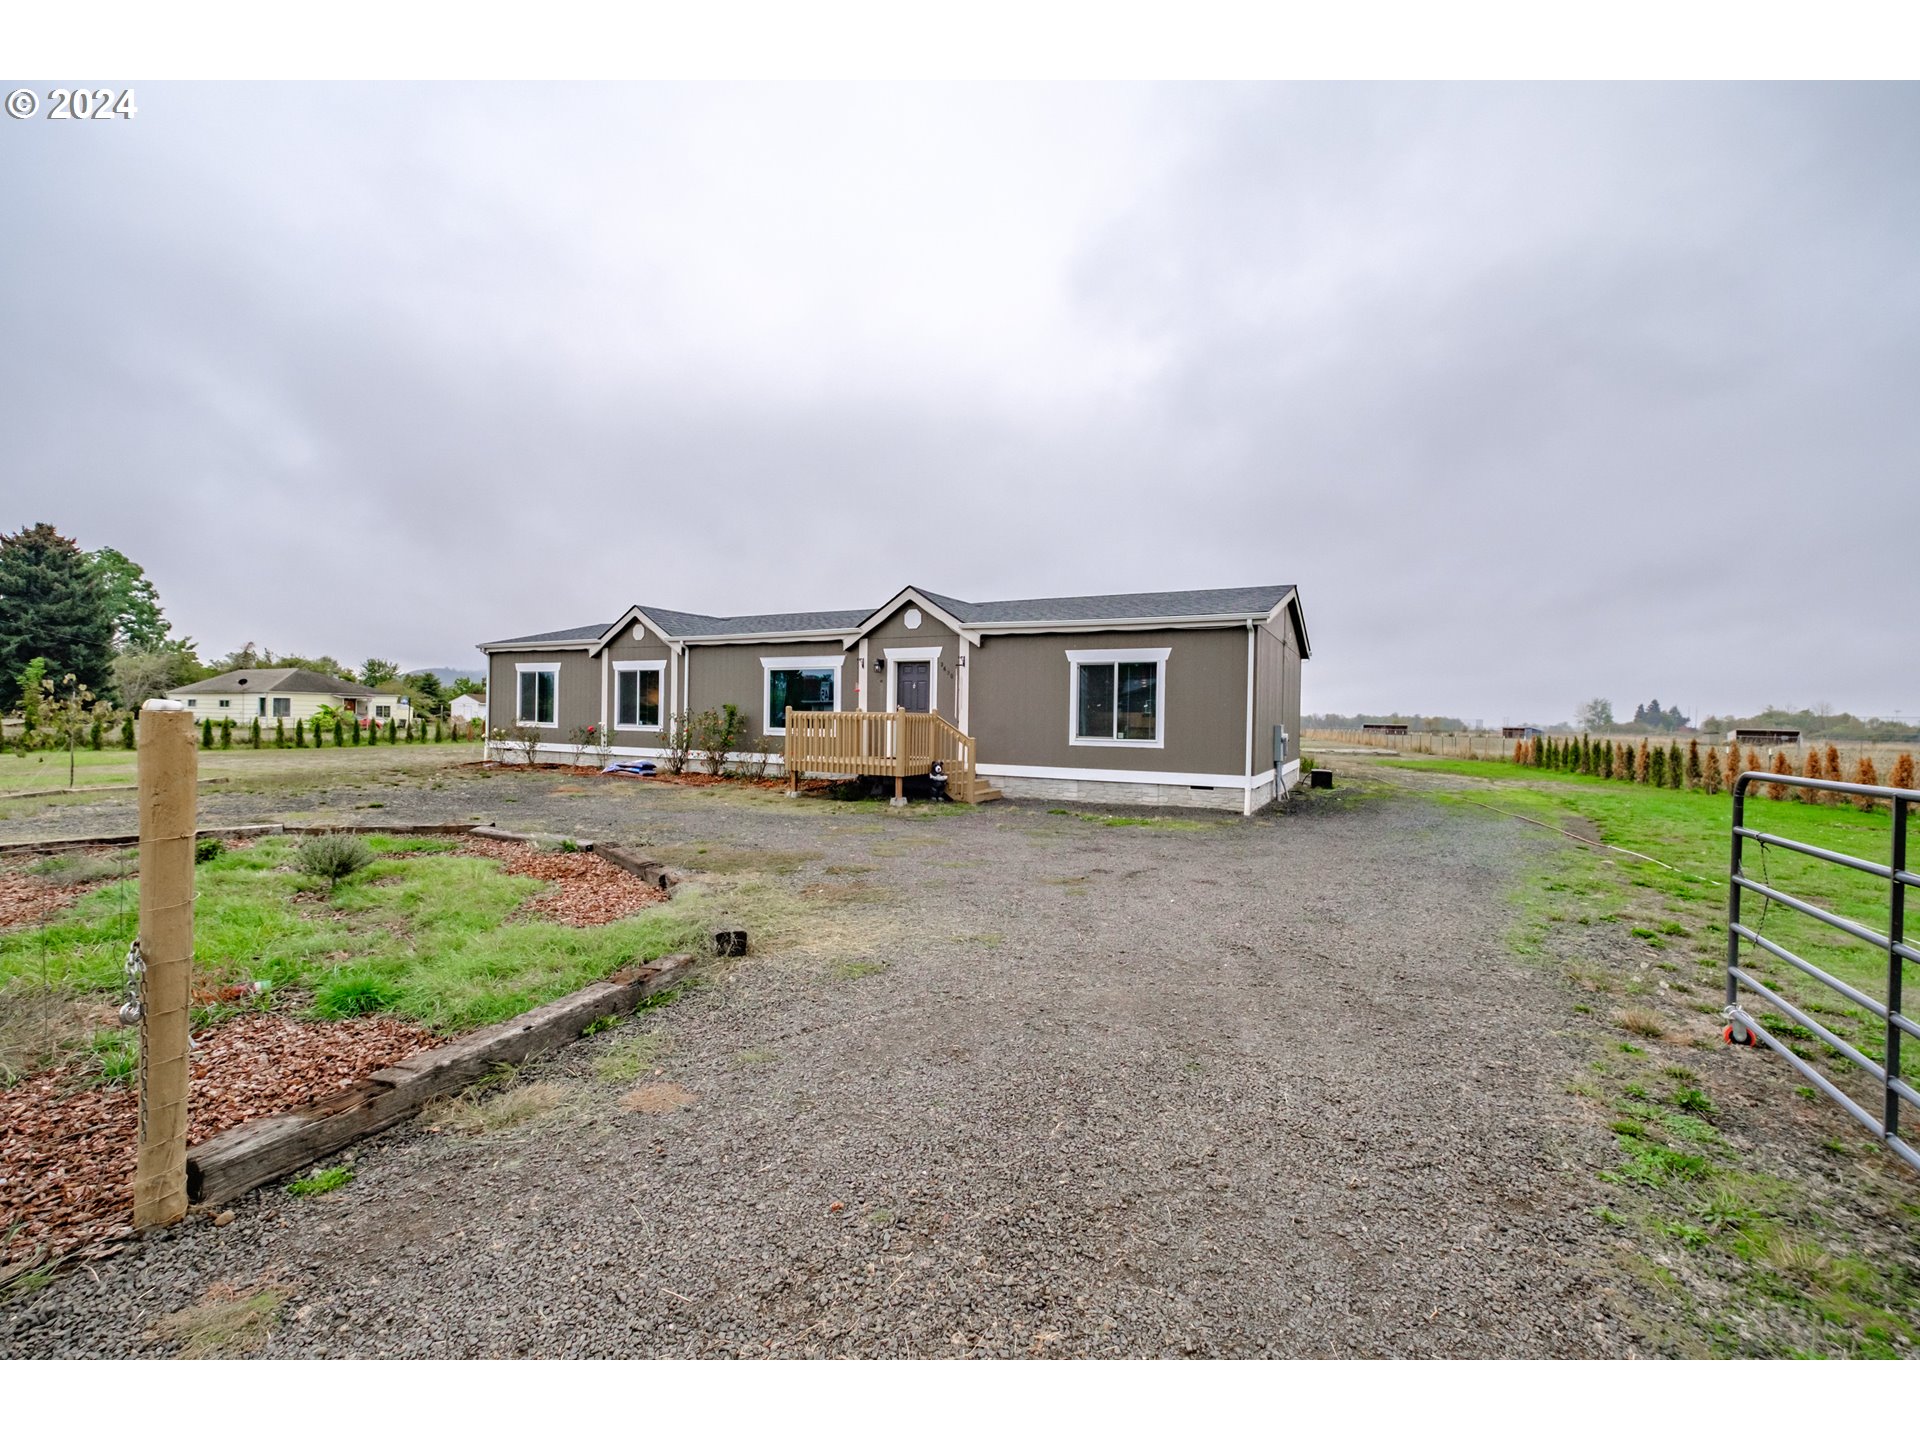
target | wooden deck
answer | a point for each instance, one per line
(880, 742)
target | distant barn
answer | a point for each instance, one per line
(1519, 732)
(1383, 729)
(1764, 737)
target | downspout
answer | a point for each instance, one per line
(862, 687)
(1246, 802)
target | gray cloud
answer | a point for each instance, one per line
(1539, 392)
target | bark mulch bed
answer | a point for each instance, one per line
(67, 1153)
(29, 899)
(587, 890)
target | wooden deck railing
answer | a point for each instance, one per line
(876, 742)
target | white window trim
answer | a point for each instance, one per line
(518, 719)
(929, 653)
(659, 667)
(1077, 658)
(771, 663)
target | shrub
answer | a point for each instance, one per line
(717, 734)
(279, 734)
(355, 727)
(333, 858)
(126, 733)
(391, 732)
(208, 847)
(347, 993)
(1694, 772)
(206, 733)
(1710, 773)
(1754, 762)
(521, 742)
(299, 734)
(1901, 776)
(337, 730)
(256, 732)
(1777, 790)
(1865, 773)
(679, 744)
(1675, 763)
(1834, 772)
(1657, 768)
(226, 733)
(1643, 764)
(94, 736)
(373, 732)
(436, 732)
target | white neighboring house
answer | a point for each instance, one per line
(244, 696)
(467, 708)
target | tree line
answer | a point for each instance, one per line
(1667, 766)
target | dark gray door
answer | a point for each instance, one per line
(913, 685)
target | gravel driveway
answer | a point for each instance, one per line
(1056, 1088)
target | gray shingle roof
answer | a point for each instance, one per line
(1147, 605)
(282, 681)
(1236, 602)
(554, 637)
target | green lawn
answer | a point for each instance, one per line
(47, 769)
(421, 932)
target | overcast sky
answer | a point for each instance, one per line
(1537, 393)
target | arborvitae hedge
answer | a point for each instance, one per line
(1777, 789)
(1657, 768)
(1710, 773)
(1901, 776)
(1643, 764)
(1693, 764)
(1865, 773)
(1676, 765)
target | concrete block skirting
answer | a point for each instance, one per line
(1125, 792)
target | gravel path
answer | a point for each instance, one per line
(1058, 1088)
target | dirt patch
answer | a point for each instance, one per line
(662, 1099)
(67, 1153)
(588, 890)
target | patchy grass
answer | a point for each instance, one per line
(479, 1112)
(1754, 1260)
(857, 969)
(733, 860)
(225, 1321)
(321, 1182)
(630, 1057)
(1145, 822)
(420, 932)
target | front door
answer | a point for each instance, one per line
(913, 685)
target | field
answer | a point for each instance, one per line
(1478, 745)
(47, 769)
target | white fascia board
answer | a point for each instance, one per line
(612, 632)
(940, 613)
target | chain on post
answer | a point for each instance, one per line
(134, 1004)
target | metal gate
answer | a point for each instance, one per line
(1742, 1028)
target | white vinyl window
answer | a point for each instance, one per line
(636, 694)
(1117, 697)
(224, 704)
(799, 682)
(539, 695)
(383, 711)
(282, 707)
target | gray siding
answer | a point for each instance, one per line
(1020, 709)
(577, 696)
(893, 632)
(723, 674)
(1276, 699)
(644, 646)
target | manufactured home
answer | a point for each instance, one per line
(244, 696)
(1187, 697)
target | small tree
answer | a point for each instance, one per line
(1777, 789)
(1710, 773)
(1694, 773)
(1643, 764)
(1754, 761)
(279, 734)
(226, 733)
(93, 734)
(1519, 752)
(1657, 768)
(206, 733)
(256, 732)
(1901, 776)
(581, 741)
(68, 709)
(1865, 773)
(299, 734)
(436, 732)
(354, 726)
(391, 732)
(126, 732)
(338, 723)
(1604, 767)
(1834, 772)
(1811, 770)
(1676, 765)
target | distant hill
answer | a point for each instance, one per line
(448, 676)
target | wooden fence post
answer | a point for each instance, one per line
(168, 770)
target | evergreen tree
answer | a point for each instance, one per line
(356, 729)
(1643, 765)
(1693, 764)
(1605, 768)
(1901, 776)
(206, 733)
(279, 734)
(437, 736)
(1675, 765)
(226, 734)
(51, 607)
(336, 731)
(1834, 772)
(133, 605)
(256, 732)
(94, 735)
(1657, 768)
(390, 731)
(126, 733)
(299, 734)
(1865, 773)
(1710, 774)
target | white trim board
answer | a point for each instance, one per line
(771, 663)
(1157, 656)
(536, 667)
(621, 667)
(929, 653)
(1137, 777)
